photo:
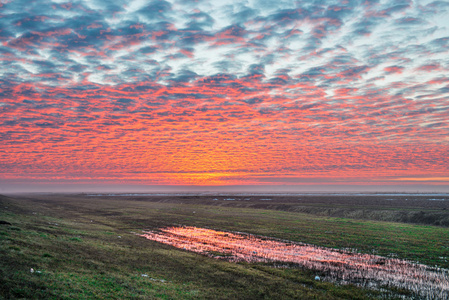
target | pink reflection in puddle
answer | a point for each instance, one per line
(337, 265)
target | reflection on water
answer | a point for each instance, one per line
(342, 266)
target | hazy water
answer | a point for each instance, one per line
(280, 194)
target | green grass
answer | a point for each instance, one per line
(86, 248)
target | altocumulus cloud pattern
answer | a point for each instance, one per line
(224, 92)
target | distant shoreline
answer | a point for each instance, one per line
(217, 194)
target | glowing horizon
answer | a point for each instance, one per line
(213, 93)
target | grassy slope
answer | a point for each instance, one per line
(86, 248)
(415, 209)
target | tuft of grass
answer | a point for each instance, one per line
(75, 239)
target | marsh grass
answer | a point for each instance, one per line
(88, 249)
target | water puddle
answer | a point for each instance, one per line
(337, 265)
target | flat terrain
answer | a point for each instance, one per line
(86, 247)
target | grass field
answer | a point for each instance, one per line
(86, 247)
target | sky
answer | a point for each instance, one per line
(224, 93)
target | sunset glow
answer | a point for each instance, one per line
(224, 92)
(342, 266)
